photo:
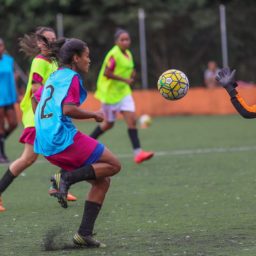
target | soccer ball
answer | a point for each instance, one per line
(145, 121)
(173, 84)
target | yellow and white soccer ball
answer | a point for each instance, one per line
(145, 121)
(173, 84)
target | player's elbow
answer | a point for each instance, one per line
(68, 110)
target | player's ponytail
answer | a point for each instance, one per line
(28, 43)
(63, 50)
(54, 47)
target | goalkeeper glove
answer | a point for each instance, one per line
(226, 79)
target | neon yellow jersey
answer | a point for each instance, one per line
(111, 91)
(44, 68)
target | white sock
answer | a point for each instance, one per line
(136, 151)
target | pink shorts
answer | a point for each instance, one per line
(84, 150)
(28, 136)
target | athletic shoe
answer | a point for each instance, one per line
(71, 197)
(143, 156)
(53, 190)
(87, 241)
(2, 209)
(62, 186)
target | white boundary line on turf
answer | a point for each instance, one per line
(207, 151)
(182, 152)
(197, 151)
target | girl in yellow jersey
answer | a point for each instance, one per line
(116, 76)
(42, 66)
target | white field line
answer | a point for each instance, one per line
(182, 152)
(197, 151)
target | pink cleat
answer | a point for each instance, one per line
(143, 156)
(71, 197)
(53, 191)
(2, 209)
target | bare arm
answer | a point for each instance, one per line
(34, 104)
(133, 76)
(16, 79)
(110, 74)
(77, 113)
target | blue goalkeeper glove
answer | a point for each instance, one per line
(226, 79)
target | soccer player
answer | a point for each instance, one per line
(116, 76)
(226, 78)
(8, 97)
(42, 66)
(83, 158)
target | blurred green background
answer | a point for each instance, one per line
(182, 34)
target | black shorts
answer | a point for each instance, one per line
(8, 107)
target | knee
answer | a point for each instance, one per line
(108, 126)
(132, 124)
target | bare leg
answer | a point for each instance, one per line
(2, 117)
(3, 158)
(27, 158)
(105, 125)
(102, 128)
(98, 190)
(11, 120)
(108, 165)
(139, 155)
(130, 119)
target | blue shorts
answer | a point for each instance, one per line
(96, 154)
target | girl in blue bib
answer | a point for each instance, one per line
(57, 138)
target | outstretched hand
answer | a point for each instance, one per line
(129, 81)
(225, 77)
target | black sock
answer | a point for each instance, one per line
(7, 133)
(91, 211)
(62, 171)
(2, 152)
(6, 180)
(133, 135)
(97, 132)
(84, 173)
